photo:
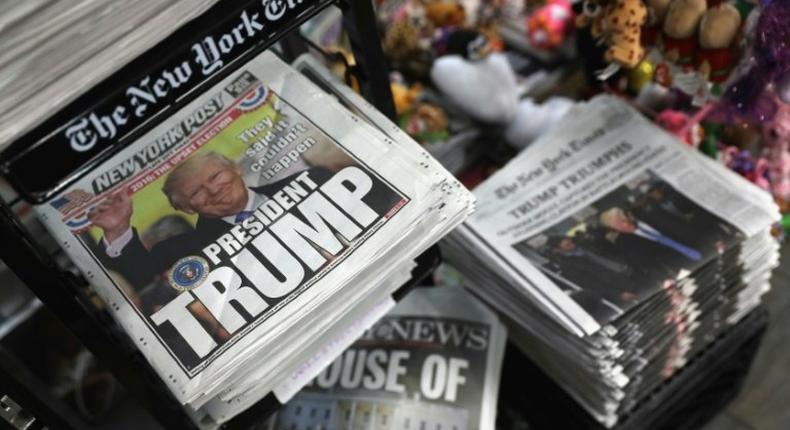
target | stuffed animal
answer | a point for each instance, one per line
(426, 123)
(680, 29)
(405, 97)
(548, 27)
(482, 84)
(776, 141)
(401, 41)
(533, 119)
(678, 123)
(718, 28)
(445, 13)
(656, 12)
(618, 23)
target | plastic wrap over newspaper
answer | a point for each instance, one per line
(258, 214)
(616, 253)
(432, 362)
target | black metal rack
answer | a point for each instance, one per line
(41, 163)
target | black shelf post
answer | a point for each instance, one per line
(359, 20)
(60, 292)
(40, 407)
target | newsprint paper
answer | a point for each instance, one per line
(615, 253)
(433, 362)
(250, 218)
(577, 184)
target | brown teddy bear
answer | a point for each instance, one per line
(445, 13)
(718, 28)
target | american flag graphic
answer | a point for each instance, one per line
(71, 200)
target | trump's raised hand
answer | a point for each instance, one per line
(113, 215)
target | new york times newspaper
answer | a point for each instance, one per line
(208, 229)
(599, 214)
(433, 362)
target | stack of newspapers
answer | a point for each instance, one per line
(616, 253)
(51, 51)
(253, 235)
(433, 362)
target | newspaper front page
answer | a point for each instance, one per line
(253, 204)
(588, 200)
(432, 362)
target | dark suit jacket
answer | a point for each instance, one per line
(139, 265)
(585, 271)
(650, 262)
(653, 259)
(686, 223)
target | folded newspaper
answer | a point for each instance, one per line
(433, 362)
(616, 253)
(257, 222)
(63, 48)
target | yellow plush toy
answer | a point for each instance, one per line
(619, 23)
(405, 97)
(680, 29)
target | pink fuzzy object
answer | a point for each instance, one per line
(548, 26)
(679, 124)
(776, 141)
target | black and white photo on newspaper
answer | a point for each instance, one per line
(595, 218)
(615, 253)
(620, 249)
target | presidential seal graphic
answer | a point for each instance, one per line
(188, 273)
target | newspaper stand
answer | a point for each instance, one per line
(38, 165)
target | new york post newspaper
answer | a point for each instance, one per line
(253, 205)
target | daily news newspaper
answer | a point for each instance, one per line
(433, 362)
(209, 229)
(587, 200)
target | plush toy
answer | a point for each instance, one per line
(656, 11)
(405, 97)
(533, 119)
(445, 13)
(482, 84)
(548, 27)
(782, 87)
(776, 142)
(469, 44)
(750, 95)
(401, 40)
(641, 75)
(663, 75)
(680, 29)
(423, 121)
(618, 23)
(718, 28)
(426, 123)
(678, 123)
